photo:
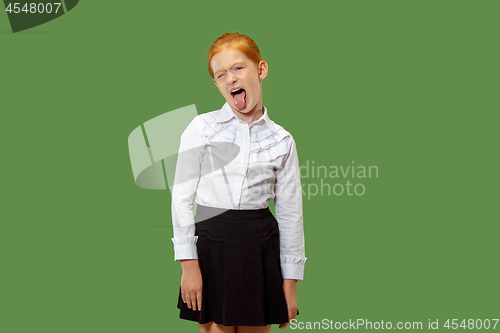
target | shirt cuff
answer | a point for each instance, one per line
(292, 267)
(185, 247)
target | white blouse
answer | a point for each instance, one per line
(224, 162)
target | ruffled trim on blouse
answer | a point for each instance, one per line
(185, 240)
(185, 247)
(257, 136)
(277, 139)
(265, 145)
(288, 259)
(292, 267)
(218, 131)
(271, 148)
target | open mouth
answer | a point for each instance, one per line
(239, 97)
(237, 91)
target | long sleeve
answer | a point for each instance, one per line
(187, 175)
(288, 209)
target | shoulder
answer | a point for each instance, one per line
(282, 134)
(210, 116)
(209, 124)
(203, 120)
(286, 143)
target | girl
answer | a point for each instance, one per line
(240, 264)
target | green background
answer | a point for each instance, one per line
(408, 86)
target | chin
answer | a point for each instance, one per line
(245, 110)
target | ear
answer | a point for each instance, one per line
(263, 68)
(216, 84)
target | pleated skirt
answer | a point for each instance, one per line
(239, 259)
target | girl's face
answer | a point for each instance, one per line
(239, 80)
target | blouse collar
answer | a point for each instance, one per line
(227, 113)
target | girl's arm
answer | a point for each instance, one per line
(187, 174)
(288, 209)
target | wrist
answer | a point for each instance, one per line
(289, 283)
(189, 265)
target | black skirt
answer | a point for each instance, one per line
(239, 258)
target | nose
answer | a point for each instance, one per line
(231, 77)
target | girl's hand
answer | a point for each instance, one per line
(290, 290)
(191, 284)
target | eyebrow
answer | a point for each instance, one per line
(236, 63)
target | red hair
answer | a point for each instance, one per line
(236, 41)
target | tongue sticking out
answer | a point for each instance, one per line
(240, 99)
